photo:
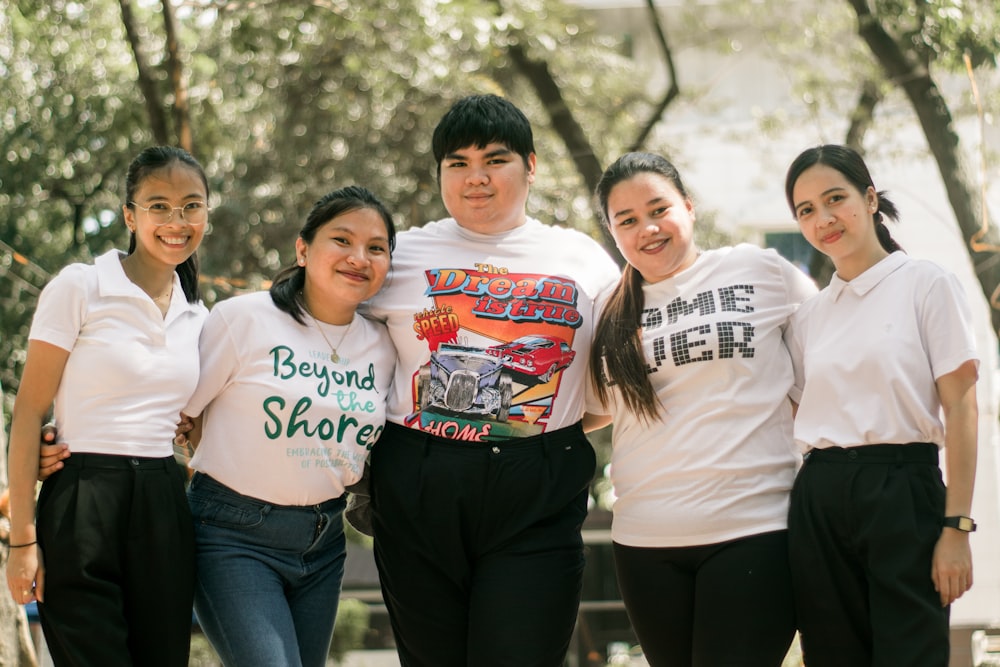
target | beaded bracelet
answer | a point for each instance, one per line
(26, 544)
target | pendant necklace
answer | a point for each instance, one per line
(334, 357)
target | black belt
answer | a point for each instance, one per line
(913, 452)
(118, 462)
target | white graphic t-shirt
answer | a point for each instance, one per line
(719, 465)
(284, 422)
(493, 331)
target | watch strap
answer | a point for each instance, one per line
(962, 523)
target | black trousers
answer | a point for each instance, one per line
(718, 605)
(478, 545)
(118, 546)
(862, 529)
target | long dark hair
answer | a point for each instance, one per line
(848, 162)
(286, 288)
(154, 159)
(616, 356)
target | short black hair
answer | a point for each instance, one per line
(478, 120)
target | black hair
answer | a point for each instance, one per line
(153, 159)
(616, 355)
(286, 288)
(479, 120)
(848, 162)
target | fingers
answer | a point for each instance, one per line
(23, 594)
(51, 459)
(22, 589)
(184, 426)
(951, 585)
(40, 581)
(53, 451)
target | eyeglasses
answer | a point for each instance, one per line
(193, 212)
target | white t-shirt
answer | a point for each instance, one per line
(284, 423)
(493, 331)
(720, 463)
(867, 354)
(130, 370)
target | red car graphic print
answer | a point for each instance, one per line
(538, 356)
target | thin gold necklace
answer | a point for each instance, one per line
(334, 357)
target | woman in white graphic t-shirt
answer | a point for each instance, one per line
(690, 361)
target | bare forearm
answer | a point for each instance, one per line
(961, 433)
(23, 471)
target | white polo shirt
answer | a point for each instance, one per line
(867, 354)
(130, 370)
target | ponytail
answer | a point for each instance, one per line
(617, 357)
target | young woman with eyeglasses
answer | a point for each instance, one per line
(114, 346)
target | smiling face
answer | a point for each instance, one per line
(345, 264)
(837, 219)
(653, 225)
(486, 189)
(175, 185)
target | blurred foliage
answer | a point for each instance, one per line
(350, 628)
(292, 98)
(289, 100)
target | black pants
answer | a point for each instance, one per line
(862, 529)
(478, 545)
(118, 545)
(718, 605)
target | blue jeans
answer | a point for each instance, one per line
(268, 577)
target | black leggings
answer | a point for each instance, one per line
(710, 606)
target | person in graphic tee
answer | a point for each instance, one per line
(110, 556)
(291, 399)
(886, 370)
(690, 360)
(479, 484)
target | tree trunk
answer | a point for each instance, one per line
(673, 90)
(568, 129)
(147, 83)
(182, 110)
(904, 69)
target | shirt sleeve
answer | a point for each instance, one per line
(799, 284)
(792, 337)
(946, 326)
(219, 362)
(61, 309)
(592, 402)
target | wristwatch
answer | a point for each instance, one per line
(962, 523)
